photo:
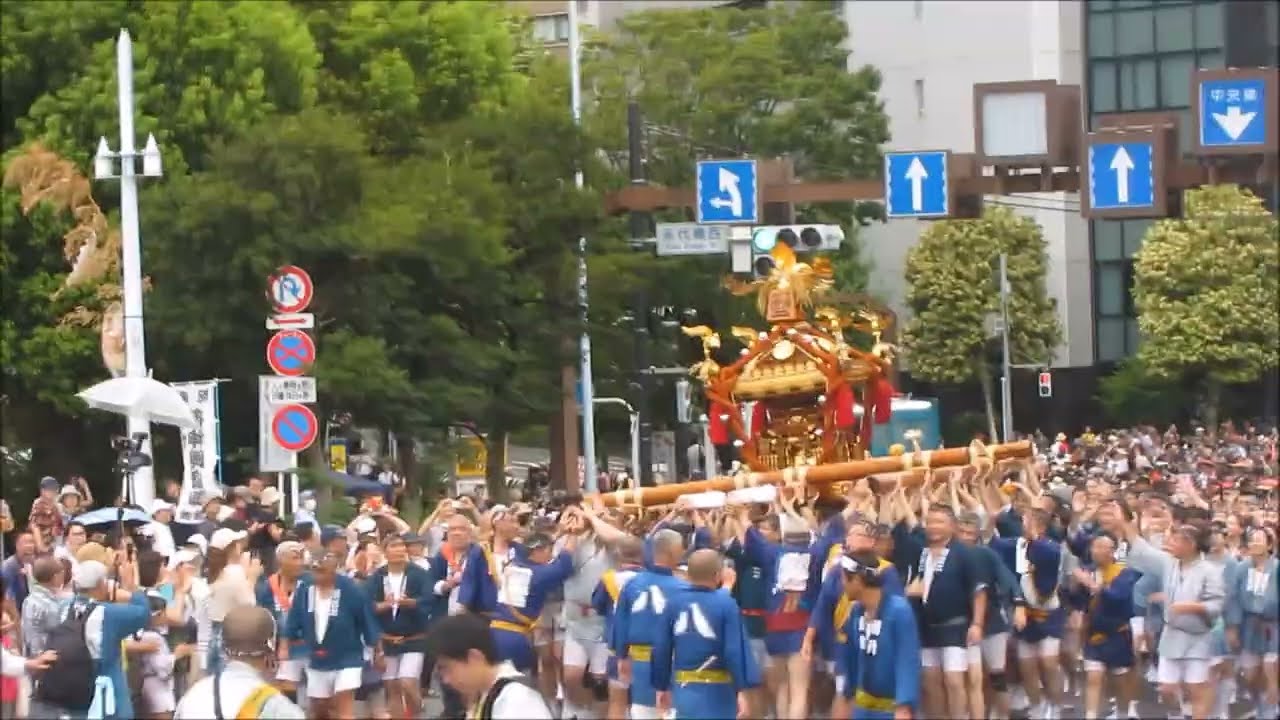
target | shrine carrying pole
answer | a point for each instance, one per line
(823, 474)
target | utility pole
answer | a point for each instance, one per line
(584, 344)
(1006, 378)
(638, 223)
(142, 487)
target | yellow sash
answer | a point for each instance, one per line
(251, 708)
(611, 586)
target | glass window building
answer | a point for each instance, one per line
(1139, 56)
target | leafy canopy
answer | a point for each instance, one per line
(1206, 287)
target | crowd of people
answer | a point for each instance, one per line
(1109, 574)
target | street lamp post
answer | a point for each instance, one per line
(584, 343)
(143, 485)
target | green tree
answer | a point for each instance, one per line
(202, 71)
(1134, 395)
(1206, 287)
(953, 290)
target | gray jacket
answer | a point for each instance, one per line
(1185, 636)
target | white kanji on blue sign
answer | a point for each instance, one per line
(915, 184)
(1121, 175)
(1233, 112)
(727, 191)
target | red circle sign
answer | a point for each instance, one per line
(294, 427)
(291, 353)
(290, 289)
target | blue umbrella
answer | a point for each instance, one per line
(109, 516)
(350, 484)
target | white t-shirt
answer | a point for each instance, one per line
(232, 589)
(518, 701)
(324, 606)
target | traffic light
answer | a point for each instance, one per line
(800, 238)
(1046, 384)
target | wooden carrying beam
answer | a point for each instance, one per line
(821, 474)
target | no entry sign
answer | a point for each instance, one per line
(290, 353)
(294, 427)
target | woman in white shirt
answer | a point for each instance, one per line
(231, 580)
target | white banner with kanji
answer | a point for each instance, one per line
(200, 448)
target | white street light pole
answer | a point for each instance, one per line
(584, 344)
(143, 489)
(635, 431)
(1006, 376)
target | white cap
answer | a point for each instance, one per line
(270, 496)
(182, 556)
(199, 540)
(225, 512)
(68, 490)
(365, 525)
(160, 505)
(223, 537)
(88, 574)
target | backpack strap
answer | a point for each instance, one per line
(484, 711)
(217, 696)
(251, 708)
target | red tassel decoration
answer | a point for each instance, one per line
(718, 423)
(759, 417)
(844, 400)
(882, 399)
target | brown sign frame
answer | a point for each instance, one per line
(1270, 78)
(1062, 117)
(1159, 182)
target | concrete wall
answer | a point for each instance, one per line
(930, 54)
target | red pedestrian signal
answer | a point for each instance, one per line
(1046, 384)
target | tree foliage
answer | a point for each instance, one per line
(1134, 395)
(1206, 287)
(953, 291)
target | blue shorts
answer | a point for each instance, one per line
(1048, 624)
(516, 648)
(1113, 650)
(783, 643)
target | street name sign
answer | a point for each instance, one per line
(290, 390)
(728, 191)
(915, 184)
(692, 239)
(1124, 171)
(290, 289)
(1235, 110)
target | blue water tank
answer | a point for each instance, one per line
(908, 414)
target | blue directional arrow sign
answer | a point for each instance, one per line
(1233, 112)
(915, 184)
(1122, 175)
(727, 191)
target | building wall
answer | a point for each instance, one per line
(930, 54)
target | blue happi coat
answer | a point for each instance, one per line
(119, 621)
(403, 622)
(881, 667)
(279, 608)
(637, 620)
(788, 610)
(701, 654)
(352, 626)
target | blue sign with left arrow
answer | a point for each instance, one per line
(1122, 175)
(727, 191)
(1233, 112)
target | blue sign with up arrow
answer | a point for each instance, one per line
(1122, 175)
(1233, 112)
(727, 191)
(915, 184)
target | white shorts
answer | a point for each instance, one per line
(644, 712)
(991, 653)
(550, 626)
(950, 659)
(1099, 666)
(1045, 648)
(291, 670)
(1249, 660)
(323, 684)
(594, 656)
(159, 694)
(1186, 670)
(1138, 625)
(403, 667)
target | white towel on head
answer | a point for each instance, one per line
(758, 494)
(706, 500)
